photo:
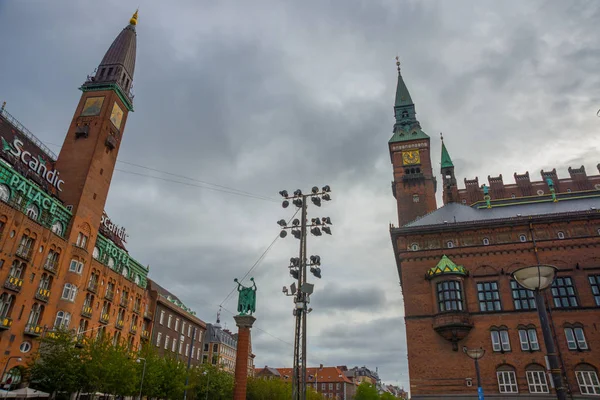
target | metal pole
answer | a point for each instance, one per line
(143, 374)
(304, 297)
(561, 390)
(207, 382)
(479, 388)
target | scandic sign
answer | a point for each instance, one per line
(36, 165)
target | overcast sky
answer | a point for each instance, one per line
(268, 95)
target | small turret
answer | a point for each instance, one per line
(449, 180)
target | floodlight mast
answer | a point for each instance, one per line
(298, 269)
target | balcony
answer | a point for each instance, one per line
(104, 318)
(51, 266)
(119, 324)
(148, 315)
(136, 309)
(5, 323)
(453, 326)
(33, 330)
(24, 252)
(42, 295)
(13, 283)
(133, 329)
(93, 287)
(86, 311)
(145, 334)
(123, 302)
(110, 294)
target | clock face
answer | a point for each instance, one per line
(411, 157)
(116, 115)
(92, 106)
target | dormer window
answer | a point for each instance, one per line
(449, 244)
(561, 235)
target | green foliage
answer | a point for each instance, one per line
(366, 391)
(387, 396)
(274, 389)
(208, 378)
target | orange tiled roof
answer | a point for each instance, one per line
(325, 375)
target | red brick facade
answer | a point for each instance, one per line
(490, 237)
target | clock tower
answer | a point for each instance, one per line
(414, 185)
(87, 158)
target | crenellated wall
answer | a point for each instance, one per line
(578, 181)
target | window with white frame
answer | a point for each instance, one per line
(595, 285)
(158, 338)
(507, 380)
(162, 317)
(62, 321)
(177, 325)
(500, 340)
(174, 345)
(76, 266)
(69, 292)
(561, 235)
(183, 327)
(528, 338)
(449, 244)
(57, 227)
(536, 379)
(81, 240)
(167, 338)
(187, 349)
(169, 320)
(522, 238)
(32, 211)
(4, 193)
(575, 338)
(486, 241)
(587, 379)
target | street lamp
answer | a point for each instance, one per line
(476, 354)
(143, 373)
(207, 380)
(19, 359)
(537, 278)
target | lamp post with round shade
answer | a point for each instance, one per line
(476, 354)
(537, 278)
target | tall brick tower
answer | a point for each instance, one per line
(89, 152)
(449, 180)
(414, 185)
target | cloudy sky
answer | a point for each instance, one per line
(268, 95)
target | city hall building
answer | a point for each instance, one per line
(455, 266)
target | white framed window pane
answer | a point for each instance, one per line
(580, 339)
(507, 382)
(524, 340)
(536, 380)
(496, 341)
(570, 339)
(505, 340)
(535, 345)
(588, 382)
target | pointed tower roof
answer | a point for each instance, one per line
(116, 69)
(446, 160)
(123, 48)
(407, 126)
(402, 94)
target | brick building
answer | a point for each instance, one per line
(219, 348)
(455, 262)
(176, 329)
(331, 382)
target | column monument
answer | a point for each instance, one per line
(244, 321)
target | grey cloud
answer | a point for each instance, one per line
(347, 299)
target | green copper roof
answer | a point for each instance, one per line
(446, 160)
(401, 135)
(402, 95)
(446, 266)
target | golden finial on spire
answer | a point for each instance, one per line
(442, 136)
(398, 63)
(133, 20)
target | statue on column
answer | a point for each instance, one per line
(246, 298)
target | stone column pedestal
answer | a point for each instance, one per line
(244, 323)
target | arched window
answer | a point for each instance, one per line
(536, 379)
(32, 211)
(500, 339)
(16, 269)
(522, 238)
(69, 292)
(507, 380)
(414, 247)
(415, 198)
(57, 227)
(561, 235)
(449, 244)
(6, 302)
(111, 262)
(62, 321)
(528, 338)
(137, 279)
(575, 337)
(96, 253)
(4, 193)
(587, 379)
(486, 241)
(35, 314)
(125, 272)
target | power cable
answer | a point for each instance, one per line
(262, 256)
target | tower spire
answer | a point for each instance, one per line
(446, 160)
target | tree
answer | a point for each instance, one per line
(208, 378)
(57, 367)
(366, 391)
(387, 396)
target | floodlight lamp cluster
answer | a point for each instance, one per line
(298, 197)
(320, 226)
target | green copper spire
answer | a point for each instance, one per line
(446, 160)
(406, 127)
(446, 266)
